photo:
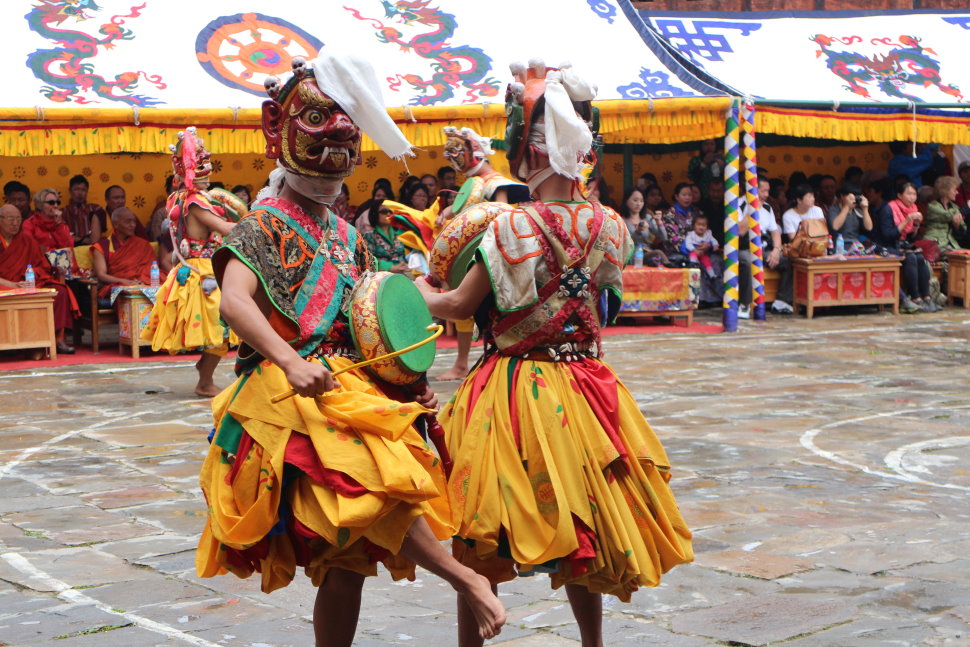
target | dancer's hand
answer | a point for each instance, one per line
(427, 399)
(308, 379)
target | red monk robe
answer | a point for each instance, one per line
(23, 250)
(130, 260)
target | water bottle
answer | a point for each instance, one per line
(154, 274)
(638, 257)
(839, 246)
(829, 247)
(29, 278)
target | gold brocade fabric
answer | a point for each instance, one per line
(355, 431)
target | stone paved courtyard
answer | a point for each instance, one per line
(823, 466)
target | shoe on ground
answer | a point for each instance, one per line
(936, 306)
(744, 312)
(908, 306)
(779, 307)
(926, 305)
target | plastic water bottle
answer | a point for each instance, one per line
(154, 274)
(638, 257)
(29, 278)
(839, 246)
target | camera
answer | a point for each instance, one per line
(858, 201)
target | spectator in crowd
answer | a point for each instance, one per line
(653, 196)
(382, 241)
(695, 192)
(446, 177)
(776, 198)
(405, 189)
(85, 220)
(945, 224)
(17, 194)
(241, 191)
(18, 249)
(770, 250)
(115, 198)
(122, 258)
(646, 180)
(795, 180)
(700, 246)
(158, 225)
(804, 209)
(903, 162)
(678, 223)
(924, 196)
(599, 191)
(430, 182)
(827, 188)
(417, 197)
(646, 227)
(852, 180)
(963, 192)
(892, 225)
(341, 206)
(706, 166)
(46, 225)
(713, 208)
(382, 191)
(850, 217)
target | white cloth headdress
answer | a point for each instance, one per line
(568, 137)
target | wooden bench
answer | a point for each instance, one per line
(27, 320)
(856, 280)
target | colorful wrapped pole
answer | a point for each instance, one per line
(732, 173)
(753, 205)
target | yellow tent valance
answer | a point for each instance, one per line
(865, 126)
(85, 131)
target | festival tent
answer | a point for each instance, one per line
(100, 87)
(841, 75)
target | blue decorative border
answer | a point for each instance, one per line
(819, 15)
(603, 9)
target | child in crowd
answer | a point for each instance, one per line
(699, 244)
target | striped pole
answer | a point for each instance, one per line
(754, 204)
(732, 173)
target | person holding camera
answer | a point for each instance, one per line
(850, 217)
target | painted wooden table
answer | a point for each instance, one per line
(133, 309)
(27, 319)
(661, 292)
(958, 278)
(852, 281)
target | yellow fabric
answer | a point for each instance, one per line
(465, 325)
(86, 130)
(356, 431)
(563, 465)
(82, 254)
(184, 317)
(862, 127)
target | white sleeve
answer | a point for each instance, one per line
(790, 222)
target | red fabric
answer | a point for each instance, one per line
(301, 454)
(597, 383)
(24, 250)
(78, 218)
(245, 444)
(514, 408)
(130, 260)
(48, 233)
(478, 384)
(586, 538)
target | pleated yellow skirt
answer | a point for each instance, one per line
(331, 482)
(184, 317)
(555, 469)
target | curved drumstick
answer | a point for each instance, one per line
(438, 329)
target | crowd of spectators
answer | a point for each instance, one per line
(916, 209)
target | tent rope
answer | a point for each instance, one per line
(134, 110)
(912, 104)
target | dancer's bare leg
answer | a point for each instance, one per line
(460, 369)
(468, 635)
(423, 548)
(206, 366)
(337, 608)
(588, 611)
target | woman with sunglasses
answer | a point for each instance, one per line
(45, 225)
(383, 243)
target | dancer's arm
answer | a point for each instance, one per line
(460, 303)
(245, 308)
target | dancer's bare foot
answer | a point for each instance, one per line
(456, 372)
(209, 390)
(485, 606)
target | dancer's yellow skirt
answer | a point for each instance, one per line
(330, 482)
(184, 317)
(556, 470)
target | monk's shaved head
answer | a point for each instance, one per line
(9, 210)
(121, 211)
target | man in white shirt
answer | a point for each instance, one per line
(771, 252)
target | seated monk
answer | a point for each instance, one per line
(17, 251)
(123, 258)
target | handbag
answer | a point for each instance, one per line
(811, 239)
(930, 249)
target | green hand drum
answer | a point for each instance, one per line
(233, 207)
(388, 313)
(454, 248)
(471, 192)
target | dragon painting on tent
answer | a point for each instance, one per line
(898, 73)
(68, 69)
(455, 67)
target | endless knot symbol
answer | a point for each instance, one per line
(700, 43)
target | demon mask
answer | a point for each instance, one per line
(190, 159)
